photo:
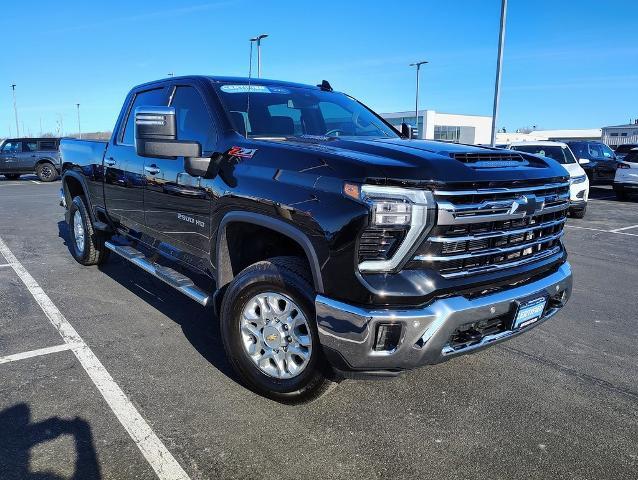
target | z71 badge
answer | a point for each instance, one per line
(242, 152)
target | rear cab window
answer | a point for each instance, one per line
(149, 98)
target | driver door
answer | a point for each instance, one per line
(178, 205)
(9, 156)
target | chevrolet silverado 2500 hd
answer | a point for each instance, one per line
(325, 240)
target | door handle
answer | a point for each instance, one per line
(33, 156)
(152, 169)
(110, 161)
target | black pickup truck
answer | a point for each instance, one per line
(326, 242)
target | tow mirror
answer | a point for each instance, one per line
(406, 130)
(156, 135)
(583, 161)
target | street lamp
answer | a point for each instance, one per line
(15, 109)
(257, 39)
(499, 61)
(79, 127)
(416, 101)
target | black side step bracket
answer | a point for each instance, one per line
(169, 276)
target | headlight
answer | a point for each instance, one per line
(399, 217)
(579, 179)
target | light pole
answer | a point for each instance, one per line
(257, 39)
(416, 100)
(499, 61)
(15, 109)
(79, 127)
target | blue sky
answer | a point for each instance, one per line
(567, 64)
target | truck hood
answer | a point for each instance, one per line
(422, 162)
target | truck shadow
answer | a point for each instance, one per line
(18, 435)
(199, 324)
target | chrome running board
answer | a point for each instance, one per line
(169, 276)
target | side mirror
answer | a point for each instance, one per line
(583, 161)
(406, 130)
(156, 135)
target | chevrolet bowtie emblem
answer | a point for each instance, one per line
(527, 204)
(271, 338)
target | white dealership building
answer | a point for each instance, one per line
(451, 127)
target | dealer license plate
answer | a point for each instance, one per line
(529, 312)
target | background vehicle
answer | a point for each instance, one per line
(326, 241)
(601, 165)
(579, 183)
(19, 156)
(626, 180)
(622, 150)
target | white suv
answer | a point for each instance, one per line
(626, 180)
(559, 151)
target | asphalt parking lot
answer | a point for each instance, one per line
(558, 402)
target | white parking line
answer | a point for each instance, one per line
(5, 265)
(603, 231)
(37, 353)
(623, 228)
(35, 181)
(157, 455)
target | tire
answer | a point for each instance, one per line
(12, 176)
(621, 195)
(46, 172)
(580, 213)
(92, 250)
(280, 279)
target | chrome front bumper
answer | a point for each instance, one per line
(347, 333)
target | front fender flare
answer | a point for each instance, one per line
(223, 271)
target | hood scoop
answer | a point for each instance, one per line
(497, 160)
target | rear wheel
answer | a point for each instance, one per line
(86, 243)
(46, 172)
(12, 176)
(269, 331)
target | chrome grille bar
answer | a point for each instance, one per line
(543, 254)
(491, 251)
(496, 234)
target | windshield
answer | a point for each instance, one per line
(560, 154)
(592, 150)
(279, 112)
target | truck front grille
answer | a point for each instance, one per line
(483, 230)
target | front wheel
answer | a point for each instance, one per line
(46, 172)
(269, 330)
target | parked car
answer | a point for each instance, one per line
(622, 150)
(20, 156)
(600, 163)
(330, 245)
(579, 183)
(626, 180)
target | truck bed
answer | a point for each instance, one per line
(82, 152)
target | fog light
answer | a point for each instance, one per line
(388, 337)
